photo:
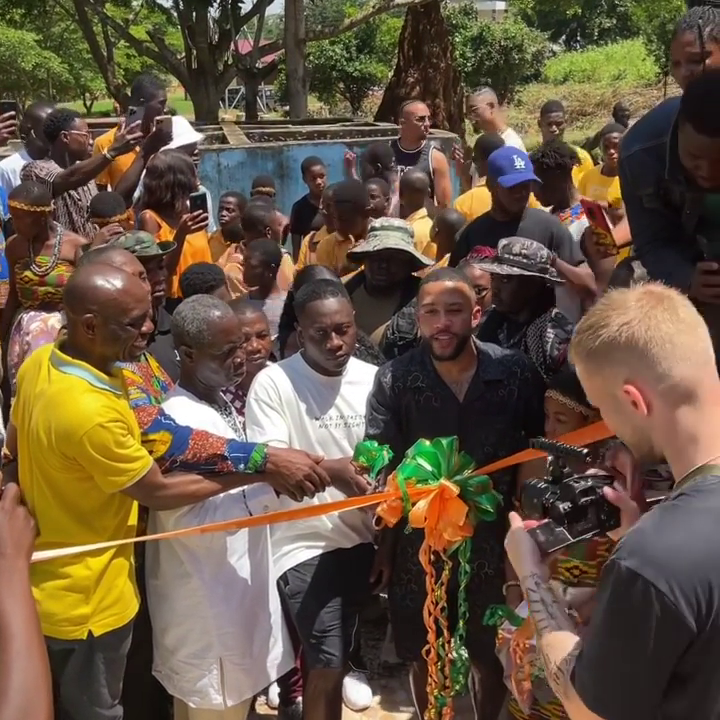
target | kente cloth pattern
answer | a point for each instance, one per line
(177, 447)
(35, 290)
(31, 329)
(578, 566)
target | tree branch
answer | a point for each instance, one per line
(166, 59)
(372, 10)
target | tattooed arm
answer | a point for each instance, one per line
(557, 642)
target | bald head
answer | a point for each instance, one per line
(39, 110)
(414, 123)
(412, 108)
(101, 288)
(111, 255)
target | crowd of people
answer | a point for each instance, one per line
(172, 359)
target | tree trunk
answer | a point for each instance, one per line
(252, 89)
(205, 98)
(425, 70)
(295, 46)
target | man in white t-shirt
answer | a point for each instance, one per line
(218, 631)
(486, 115)
(315, 400)
(35, 146)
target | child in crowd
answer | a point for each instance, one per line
(304, 211)
(323, 225)
(263, 185)
(351, 206)
(231, 207)
(110, 215)
(204, 278)
(445, 228)
(379, 194)
(231, 261)
(414, 191)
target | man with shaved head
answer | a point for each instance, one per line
(486, 115)
(412, 149)
(492, 400)
(414, 189)
(35, 146)
(83, 470)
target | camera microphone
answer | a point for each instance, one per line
(560, 449)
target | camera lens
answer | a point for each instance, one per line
(534, 498)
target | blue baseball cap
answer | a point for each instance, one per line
(509, 167)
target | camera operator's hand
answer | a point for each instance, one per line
(521, 549)
(626, 489)
(705, 284)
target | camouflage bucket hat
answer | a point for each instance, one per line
(389, 234)
(142, 244)
(520, 256)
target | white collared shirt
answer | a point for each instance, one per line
(218, 631)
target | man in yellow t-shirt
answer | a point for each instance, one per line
(147, 92)
(414, 192)
(552, 123)
(82, 468)
(351, 206)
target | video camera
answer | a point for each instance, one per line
(573, 505)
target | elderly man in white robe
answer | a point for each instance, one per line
(218, 630)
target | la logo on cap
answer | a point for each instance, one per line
(519, 163)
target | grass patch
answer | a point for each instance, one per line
(626, 62)
(588, 106)
(104, 107)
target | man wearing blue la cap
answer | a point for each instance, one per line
(510, 180)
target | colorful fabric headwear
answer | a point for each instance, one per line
(480, 252)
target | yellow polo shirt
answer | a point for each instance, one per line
(477, 201)
(111, 175)
(306, 256)
(421, 224)
(586, 163)
(332, 252)
(78, 448)
(601, 188)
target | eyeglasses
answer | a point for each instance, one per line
(85, 133)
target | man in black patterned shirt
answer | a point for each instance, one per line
(492, 400)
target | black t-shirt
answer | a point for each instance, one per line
(302, 215)
(651, 650)
(162, 347)
(534, 224)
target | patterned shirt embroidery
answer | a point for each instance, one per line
(71, 207)
(177, 447)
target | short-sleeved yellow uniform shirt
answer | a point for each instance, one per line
(477, 201)
(421, 224)
(601, 188)
(332, 252)
(78, 448)
(586, 163)
(111, 175)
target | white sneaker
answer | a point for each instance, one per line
(357, 693)
(273, 696)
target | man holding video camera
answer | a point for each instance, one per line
(646, 361)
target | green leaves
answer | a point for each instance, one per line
(504, 55)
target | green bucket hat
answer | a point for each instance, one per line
(142, 244)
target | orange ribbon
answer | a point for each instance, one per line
(443, 514)
(391, 498)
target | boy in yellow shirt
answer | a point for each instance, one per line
(414, 192)
(351, 205)
(602, 182)
(231, 207)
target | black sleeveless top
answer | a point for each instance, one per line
(420, 159)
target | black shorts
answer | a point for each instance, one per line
(323, 596)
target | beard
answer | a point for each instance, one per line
(461, 342)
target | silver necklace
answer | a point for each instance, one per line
(44, 270)
(228, 414)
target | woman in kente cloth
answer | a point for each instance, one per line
(578, 566)
(41, 258)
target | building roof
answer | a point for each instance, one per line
(243, 46)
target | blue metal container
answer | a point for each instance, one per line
(278, 150)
